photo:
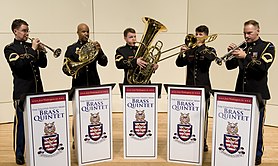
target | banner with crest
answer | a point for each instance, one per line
(93, 124)
(186, 113)
(47, 129)
(235, 129)
(140, 121)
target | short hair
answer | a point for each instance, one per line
(252, 22)
(128, 30)
(202, 28)
(17, 23)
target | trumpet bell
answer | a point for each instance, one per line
(57, 52)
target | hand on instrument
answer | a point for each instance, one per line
(36, 44)
(155, 66)
(238, 53)
(141, 63)
(97, 45)
(184, 48)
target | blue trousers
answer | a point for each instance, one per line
(260, 147)
(206, 120)
(18, 131)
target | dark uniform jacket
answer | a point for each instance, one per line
(253, 70)
(124, 59)
(87, 75)
(198, 61)
(24, 63)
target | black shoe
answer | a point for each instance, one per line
(206, 148)
(73, 146)
(258, 160)
(20, 160)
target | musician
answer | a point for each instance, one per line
(125, 55)
(88, 74)
(198, 61)
(24, 59)
(253, 62)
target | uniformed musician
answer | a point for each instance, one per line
(24, 59)
(198, 61)
(253, 62)
(87, 75)
(125, 55)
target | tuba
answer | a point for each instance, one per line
(150, 54)
(87, 54)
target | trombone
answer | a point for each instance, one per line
(56, 52)
(228, 56)
(191, 42)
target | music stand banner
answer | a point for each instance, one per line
(235, 129)
(140, 121)
(47, 129)
(93, 124)
(186, 112)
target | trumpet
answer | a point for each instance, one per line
(56, 52)
(228, 56)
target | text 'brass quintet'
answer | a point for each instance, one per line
(87, 54)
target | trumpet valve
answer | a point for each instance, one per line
(218, 61)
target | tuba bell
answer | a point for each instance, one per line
(143, 75)
(87, 54)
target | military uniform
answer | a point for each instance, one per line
(252, 76)
(24, 63)
(124, 59)
(198, 61)
(88, 74)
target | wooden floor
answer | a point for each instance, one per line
(270, 154)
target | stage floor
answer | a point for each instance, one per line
(270, 137)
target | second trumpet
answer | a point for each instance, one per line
(56, 52)
(228, 56)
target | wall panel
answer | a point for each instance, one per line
(49, 16)
(114, 16)
(227, 17)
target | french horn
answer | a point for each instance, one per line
(87, 54)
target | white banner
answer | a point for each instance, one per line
(140, 121)
(235, 129)
(47, 129)
(186, 112)
(93, 124)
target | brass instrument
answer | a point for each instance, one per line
(87, 54)
(228, 56)
(56, 52)
(149, 54)
(190, 41)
